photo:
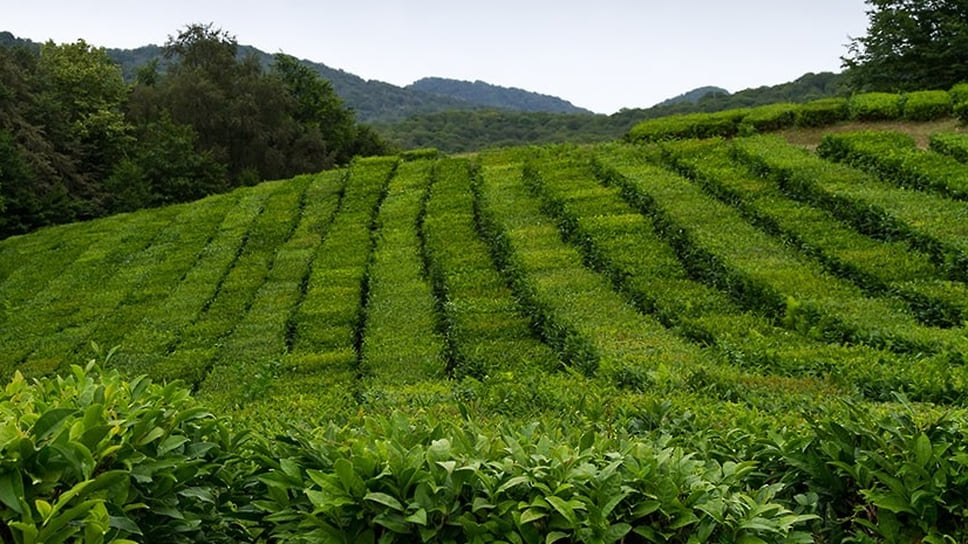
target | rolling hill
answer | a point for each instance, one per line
(679, 288)
(494, 96)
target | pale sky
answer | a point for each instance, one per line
(602, 54)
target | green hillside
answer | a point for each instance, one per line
(740, 294)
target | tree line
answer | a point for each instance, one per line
(78, 142)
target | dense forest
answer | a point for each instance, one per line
(459, 131)
(495, 96)
(77, 141)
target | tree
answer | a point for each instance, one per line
(325, 125)
(910, 45)
(86, 121)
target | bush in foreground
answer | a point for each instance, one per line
(94, 458)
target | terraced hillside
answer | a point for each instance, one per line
(749, 274)
(731, 339)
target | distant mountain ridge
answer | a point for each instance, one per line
(372, 100)
(480, 92)
(694, 96)
(378, 101)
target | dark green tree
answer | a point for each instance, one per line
(326, 128)
(910, 45)
(85, 93)
(164, 167)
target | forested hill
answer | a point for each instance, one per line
(461, 131)
(374, 100)
(371, 100)
(495, 96)
(695, 95)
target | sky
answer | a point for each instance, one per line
(603, 55)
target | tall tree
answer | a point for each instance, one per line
(88, 92)
(910, 45)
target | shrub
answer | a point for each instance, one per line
(954, 145)
(959, 93)
(94, 458)
(693, 125)
(927, 105)
(771, 117)
(894, 157)
(822, 112)
(961, 112)
(418, 154)
(875, 107)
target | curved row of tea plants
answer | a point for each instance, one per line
(627, 248)
(581, 288)
(879, 267)
(875, 106)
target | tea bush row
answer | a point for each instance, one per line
(952, 144)
(892, 156)
(57, 307)
(574, 310)
(325, 330)
(880, 268)
(400, 341)
(632, 346)
(485, 331)
(874, 207)
(913, 106)
(158, 330)
(91, 457)
(249, 358)
(723, 249)
(201, 346)
(624, 246)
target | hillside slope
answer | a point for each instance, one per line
(719, 294)
(242, 293)
(495, 96)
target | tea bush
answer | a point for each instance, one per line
(927, 105)
(90, 457)
(875, 107)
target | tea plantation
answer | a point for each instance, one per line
(659, 340)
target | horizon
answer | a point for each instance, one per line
(618, 55)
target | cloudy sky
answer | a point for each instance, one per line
(602, 55)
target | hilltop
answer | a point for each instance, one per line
(378, 101)
(485, 94)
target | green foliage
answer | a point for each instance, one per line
(695, 125)
(400, 341)
(822, 112)
(894, 157)
(875, 207)
(462, 131)
(875, 106)
(897, 477)
(959, 93)
(84, 144)
(927, 105)
(164, 167)
(403, 481)
(954, 145)
(480, 319)
(736, 316)
(761, 273)
(92, 458)
(770, 118)
(909, 46)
